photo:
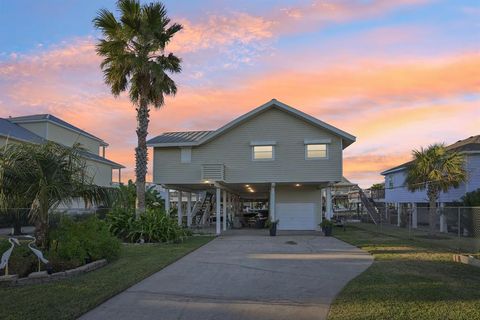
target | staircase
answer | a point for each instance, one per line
(201, 210)
(374, 210)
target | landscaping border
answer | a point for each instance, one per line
(44, 277)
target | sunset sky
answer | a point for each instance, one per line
(396, 74)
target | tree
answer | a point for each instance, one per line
(378, 186)
(435, 169)
(134, 59)
(125, 198)
(46, 176)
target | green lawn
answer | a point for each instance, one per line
(68, 299)
(409, 279)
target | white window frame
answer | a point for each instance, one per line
(327, 151)
(263, 145)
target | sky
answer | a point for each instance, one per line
(398, 75)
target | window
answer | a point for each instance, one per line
(186, 155)
(262, 152)
(390, 182)
(316, 151)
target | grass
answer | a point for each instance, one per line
(409, 279)
(70, 298)
(447, 240)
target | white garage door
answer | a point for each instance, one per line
(296, 216)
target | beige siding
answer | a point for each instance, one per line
(302, 194)
(100, 172)
(56, 133)
(3, 141)
(233, 149)
(69, 138)
(39, 128)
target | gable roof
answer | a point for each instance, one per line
(163, 140)
(471, 144)
(57, 121)
(11, 130)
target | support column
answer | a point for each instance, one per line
(414, 216)
(272, 202)
(218, 198)
(399, 216)
(329, 211)
(119, 176)
(224, 222)
(180, 208)
(189, 209)
(167, 202)
(321, 209)
(443, 220)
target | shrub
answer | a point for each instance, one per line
(152, 226)
(74, 243)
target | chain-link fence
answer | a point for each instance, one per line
(451, 226)
(17, 220)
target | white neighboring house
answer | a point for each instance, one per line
(273, 153)
(46, 127)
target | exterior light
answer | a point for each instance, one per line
(247, 185)
(297, 185)
(206, 181)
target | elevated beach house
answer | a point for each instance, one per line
(274, 153)
(398, 196)
(46, 127)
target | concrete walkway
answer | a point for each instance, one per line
(244, 275)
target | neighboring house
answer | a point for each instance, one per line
(398, 195)
(273, 153)
(46, 127)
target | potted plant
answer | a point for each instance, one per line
(272, 225)
(327, 227)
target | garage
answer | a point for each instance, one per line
(296, 216)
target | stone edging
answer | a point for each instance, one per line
(466, 260)
(43, 277)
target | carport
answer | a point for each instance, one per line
(297, 206)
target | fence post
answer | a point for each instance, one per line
(414, 216)
(458, 221)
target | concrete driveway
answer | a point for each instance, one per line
(244, 275)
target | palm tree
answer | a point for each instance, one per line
(134, 59)
(46, 176)
(435, 169)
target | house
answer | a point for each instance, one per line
(398, 195)
(274, 153)
(46, 127)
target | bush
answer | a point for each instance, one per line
(152, 226)
(75, 243)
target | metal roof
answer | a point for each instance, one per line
(180, 137)
(14, 131)
(466, 145)
(194, 138)
(52, 118)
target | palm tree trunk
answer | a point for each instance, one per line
(141, 155)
